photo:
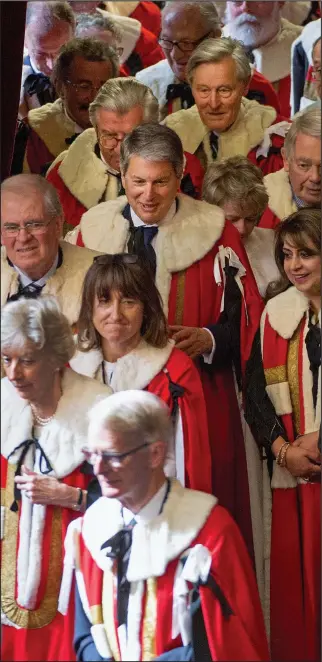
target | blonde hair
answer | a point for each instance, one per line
(120, 95)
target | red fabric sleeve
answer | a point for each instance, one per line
(149, 16)
(37, 154)
(72, 208)
(269, 220)
(284, 94)
(261, 84)
(242, 635)
(148, 49)
(194, 168)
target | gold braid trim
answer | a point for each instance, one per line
(150, 621)
(276, 375)
(293, 376)
(96, 614)
(180, 298)
(46, 612)
(108, 613)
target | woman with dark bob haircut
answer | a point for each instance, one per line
(283, 409)
(123, 342)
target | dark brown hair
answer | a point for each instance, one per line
(300, 227)
(111, 273)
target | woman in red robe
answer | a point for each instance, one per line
(283, 408)
(123, 338)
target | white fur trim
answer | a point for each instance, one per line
(155, 543)
(134, 618)
(279, 395)
(73, 530)
(66, 434)
(260, 252)
(2, 521)
(52, 125)
(65, 284)
(197, 565)
(99, 635)
(286, 310)
(28, 600)
(123, 8)
(84, 174)
(135, 370)
(157, 78)
(279, 129)
(181, 618)
(280, 194)
(179, 455)
(282, 478)
(180, 242)
(246, 133)
(130, 30)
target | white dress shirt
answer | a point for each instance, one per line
(25, 280)
(150, 510)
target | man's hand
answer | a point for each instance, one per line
(191, 340)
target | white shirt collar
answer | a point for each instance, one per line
(169, 216)
(77, 128)
(25, 280)
(110, 169)
(37, 71)
(150, 510)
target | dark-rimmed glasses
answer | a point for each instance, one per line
(32, 227)
(115, 460)
(184, 46)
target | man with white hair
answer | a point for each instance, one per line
(184, 26)
(223, 123)
(162, 571)
(195, 256)
(268, 37)
(49, 25)
(89, 171)
(298, 184)
(34, 260)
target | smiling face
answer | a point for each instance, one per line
(118, 320)
(253, 23)
(151, 188)
(304, 168)
(34, 255)
(113, 125)
(29, 370)
(218, 93)
(76, 99)
(302, 267)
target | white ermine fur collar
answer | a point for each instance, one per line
(123, 8)
(247, 131)
(280, 194)
(155, 543)
(180, 242)
(286, 310)
(62, 438)
(135, 370)
(84, 174)
(130, 30)
(157, 78)
(65, 284)
(52, 125)
(311, 32)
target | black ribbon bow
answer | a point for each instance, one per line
(31, 291)
(40, 85)
(313, 348)
(43, 461)
(182, 91)
(69, 141)
(140, 244)
(118, 547)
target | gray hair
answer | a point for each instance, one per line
(237, 180)
(153, 142)
(207, 11)
(308, 122)
(216, 50)
(41, 323)
(86, 22)
(19, 184)
(92, 50)
(120, 95)
(135, 415)
(46, 14)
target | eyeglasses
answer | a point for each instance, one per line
(184, 46)
(82, 89)
(32, 227)
(115, 460)
(223, 92)
(117, 258)
(109, 139)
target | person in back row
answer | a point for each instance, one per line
(195, 256)
(184, 26)
(49, 25)
(82, 67)
(298, 184)
(89, 171)
(223, 122)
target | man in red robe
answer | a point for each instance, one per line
(147, 13)
(162, 571)
(207, 287)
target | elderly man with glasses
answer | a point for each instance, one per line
(89, 171)
(33, 259)
(184, 26)
(161, 571)
(82, 67)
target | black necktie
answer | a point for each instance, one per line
(31, 291)
(140, 244)
(313, 348)
(213, 140)
(119, 548)
(182, 91)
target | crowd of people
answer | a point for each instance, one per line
(161, 335)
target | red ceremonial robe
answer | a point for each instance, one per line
(149, 16)
(33, 596)
(147, 51)
(186, 250)
(190, 525)
(150, 368)
(295, 562)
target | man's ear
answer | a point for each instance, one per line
(158, 452)
(285, 160)
(123, 179)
